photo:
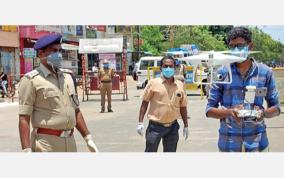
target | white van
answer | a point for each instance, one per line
(143, 64)
(149, 61)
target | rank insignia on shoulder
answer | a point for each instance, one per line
(32, 74)
(66, 71)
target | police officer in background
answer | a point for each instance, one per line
(106, 75)
(168, 101)
(180, 71)
(48, 99)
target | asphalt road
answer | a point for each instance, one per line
(116, 132)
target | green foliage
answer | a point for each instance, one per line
(152, 38)
(156, 39)
(270, 49)
(199, 35)
(220, 31)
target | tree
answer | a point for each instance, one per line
(220, 31)
(269, 49)
(199, 35)
(152, 39)
(157, 39)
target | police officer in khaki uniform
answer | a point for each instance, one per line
(48, 99)
(168, 101)
(106, 75)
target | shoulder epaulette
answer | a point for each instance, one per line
(66, 71)
(32, 74)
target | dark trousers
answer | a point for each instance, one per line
(155, 133)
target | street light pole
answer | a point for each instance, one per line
(138, 30)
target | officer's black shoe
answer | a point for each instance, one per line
(102, 111)
(109, 110)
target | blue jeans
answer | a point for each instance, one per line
(155, 133)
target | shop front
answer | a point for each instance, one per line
(28, 36)
(9, 44)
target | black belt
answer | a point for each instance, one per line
(105, 81)
(163, 124)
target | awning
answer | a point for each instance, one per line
(104, 45)
(9, 39)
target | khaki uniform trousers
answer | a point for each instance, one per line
(106, 88)
(51, 143)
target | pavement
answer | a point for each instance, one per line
(116, 132)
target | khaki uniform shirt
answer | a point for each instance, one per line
(50, 102)
(165, 99)
(106, 74)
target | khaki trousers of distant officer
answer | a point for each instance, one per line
(106, 88)
(52, 143)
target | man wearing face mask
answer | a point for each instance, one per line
(48, 99)
(106, 75)
(238, 133)
(168, 102)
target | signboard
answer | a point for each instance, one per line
(48, 28)
(111, 59)
(28, 65)
(112, 63)
(189, 76)
(79, 30)
(69, 30)
(9, 28)
(29, 53)
(189, 85)
(90, 33)
(101, 28)
(104, 45)
(107, 56)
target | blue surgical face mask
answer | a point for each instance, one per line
(240, 52)
(55, 60)
(168, 72)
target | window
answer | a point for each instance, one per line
(159, 63)
(145, 64)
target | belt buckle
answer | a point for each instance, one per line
(167, 124)
(65, 133)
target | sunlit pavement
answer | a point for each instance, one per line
(116, 132)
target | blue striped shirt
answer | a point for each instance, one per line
(250, 135)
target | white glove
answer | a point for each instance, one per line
(91, 144)
(185, 132)
(140, 128)
(27, 150)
